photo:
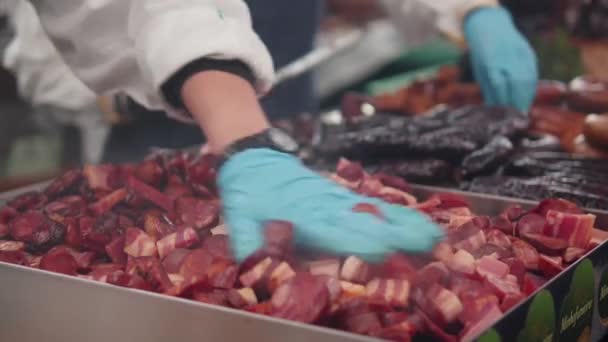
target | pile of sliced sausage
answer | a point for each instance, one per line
(156, 226)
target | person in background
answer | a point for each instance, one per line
(55, 94)
(201, 61)
(502, 60)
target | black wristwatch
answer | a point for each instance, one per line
(272, 138)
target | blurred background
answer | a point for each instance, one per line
(40, 139)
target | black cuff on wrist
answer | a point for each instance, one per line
(172, 89)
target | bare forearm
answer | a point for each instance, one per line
(225, 106)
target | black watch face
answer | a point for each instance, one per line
(283, 140)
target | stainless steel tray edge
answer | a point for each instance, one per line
(38, 306)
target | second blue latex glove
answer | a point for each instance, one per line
(504, 63)
(260, 185)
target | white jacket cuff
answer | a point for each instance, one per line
(166, 41)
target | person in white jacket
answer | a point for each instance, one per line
(201, 61)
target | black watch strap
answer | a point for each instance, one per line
(271, 138)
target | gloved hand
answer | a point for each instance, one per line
(259, 185)
(504, 64)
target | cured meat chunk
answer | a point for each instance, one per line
(388, 292)
(572, 253)
(108, 202)
(531, 283)
(37, 231)
(151, 194)
(491, 267)
(462, 262)
(328, 267)
(185, 238)
(139, 244)
(550, 266)
(198, 214)
(574, 228)
(355, 270)
(242, 297)
(526, 253)
(60, 261)
(303, 298)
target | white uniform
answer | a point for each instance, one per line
(134, 46)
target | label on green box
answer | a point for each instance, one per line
(540, 321)
(602, 297)
(576, 313)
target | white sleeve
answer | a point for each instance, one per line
(134, 46)
(42, 76)
(421, 19)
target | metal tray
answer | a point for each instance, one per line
(36, 305)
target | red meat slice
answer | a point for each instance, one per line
(221, 274)
(503, 287)
(63, 184)
(28, 201)
(388, 292)
(510, 301)
(218, 246)
(185, 238)
(195, 263)
(572, 254)
(531, 223)
(598, 237)
(451, 200)
(150, 269)
(14, 257)
(491, 267)
(498, 238)
(173, 261)
(282, 273)
(37, 231)
(443, 252)
(10, 246)
(472, 243)
(59, 261)
(328, 267)
(241, 298)
(108, 202)
(574, 228)
(115, 250)
(139, 244)
(526, 253)
(100, 177)
(150, 172)
(545, 244)
(304, 298)
(7, 214)
(155, 224)
(432, 274)
(516, 268)
(441, 304)
(513, 213)
(398, 266)
(67, 206)
(462, 262)
(559, 205)
(151, 194)
(550, 266)
(198, 214)
(355, 270)
(491, 314)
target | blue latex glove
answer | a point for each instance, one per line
(259, 185)
(504, 64)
